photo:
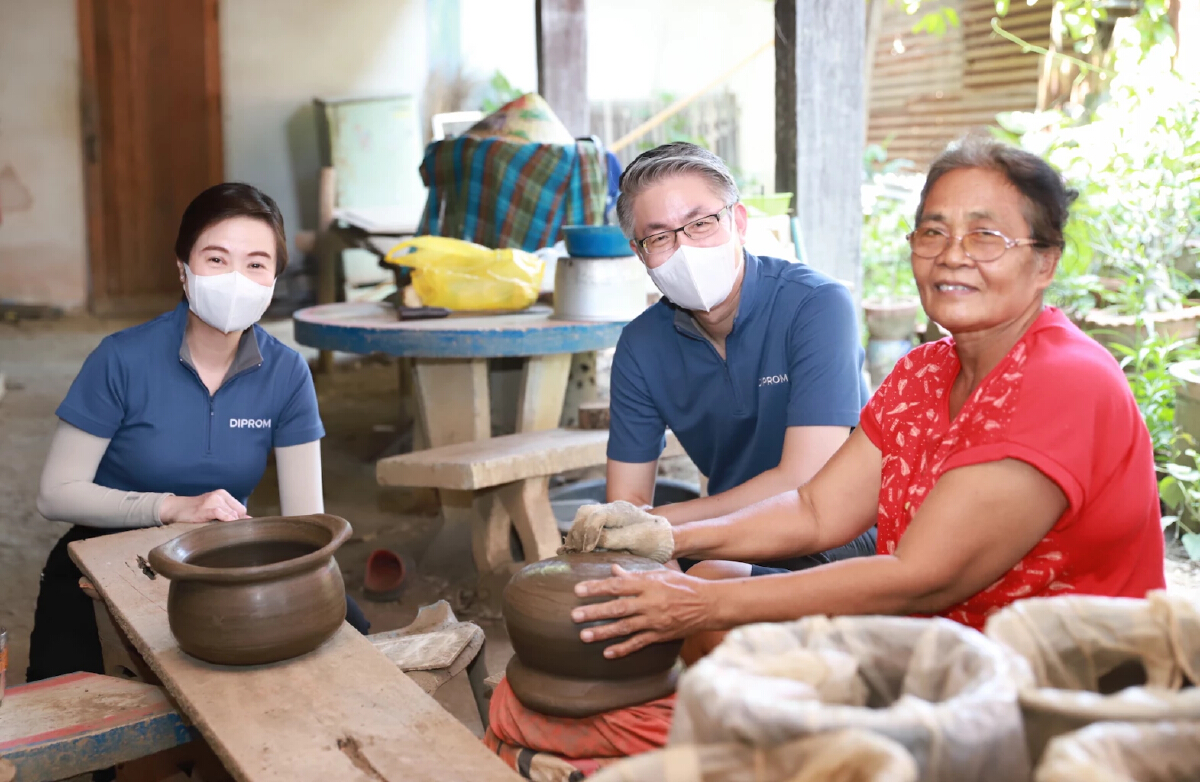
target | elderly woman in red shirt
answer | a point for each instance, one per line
(1004, 462)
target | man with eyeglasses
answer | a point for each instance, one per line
(754, 363)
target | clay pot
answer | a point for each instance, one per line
(255, 591)
(556, 673)
(1107, 326)
(894, 319)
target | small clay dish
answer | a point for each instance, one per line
(553, 671)
(255, 591)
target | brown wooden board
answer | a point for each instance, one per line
(342, 712)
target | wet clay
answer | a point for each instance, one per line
(255, 591)
(557, 673)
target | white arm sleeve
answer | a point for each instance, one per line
(299, 468)
(68, 491)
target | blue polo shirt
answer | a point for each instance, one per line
(167, 433)
(794, 359)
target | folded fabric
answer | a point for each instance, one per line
(613, 734)
(502, 194)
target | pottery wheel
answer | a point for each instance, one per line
(564, 696)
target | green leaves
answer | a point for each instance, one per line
(937, 22)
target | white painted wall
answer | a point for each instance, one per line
(43, 242)
(277, 55)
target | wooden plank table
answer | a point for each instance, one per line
(342, 712)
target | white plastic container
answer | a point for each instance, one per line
(599, 289)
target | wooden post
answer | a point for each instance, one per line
(819, 126)
(562, 61)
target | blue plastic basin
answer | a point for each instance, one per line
(596, 241)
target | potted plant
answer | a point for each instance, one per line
(1131, 153)
(890, 302)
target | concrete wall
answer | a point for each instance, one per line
(43, 253)
(277, 55)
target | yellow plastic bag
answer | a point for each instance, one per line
(460, 275)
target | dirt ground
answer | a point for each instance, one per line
(359, 408)
(360, 411)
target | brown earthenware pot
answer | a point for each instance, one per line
(255, 591)
(556, 673)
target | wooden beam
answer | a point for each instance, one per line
(562, 60)
(819, 126)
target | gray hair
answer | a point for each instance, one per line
(669, 160)
(1047, 198)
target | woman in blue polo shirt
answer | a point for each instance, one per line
(172, 421)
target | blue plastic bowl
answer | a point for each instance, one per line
(596, 241)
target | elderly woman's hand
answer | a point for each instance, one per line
(659, 605)
(620, 526)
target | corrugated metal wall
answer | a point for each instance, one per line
(927, 90)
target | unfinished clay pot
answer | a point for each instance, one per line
(556, 673)
(255, 591)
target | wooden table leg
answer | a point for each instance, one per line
(453, 407)
(543, 387)
(452, 399)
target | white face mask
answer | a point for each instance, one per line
(699, 278)
(228, 302)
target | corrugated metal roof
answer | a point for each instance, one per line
(927, 90)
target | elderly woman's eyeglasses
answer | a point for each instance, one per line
(666, 241)
(982, 245)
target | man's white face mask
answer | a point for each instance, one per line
(699, 278)
(228, 302)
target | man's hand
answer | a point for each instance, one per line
(216, 505)
(658, 605)
(620, 526)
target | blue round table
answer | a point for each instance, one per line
(450, 378)
(450, 359)
(373, 328)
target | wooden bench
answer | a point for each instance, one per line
(83, 722)
(501, 484)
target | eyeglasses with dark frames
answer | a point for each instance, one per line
(700, 228)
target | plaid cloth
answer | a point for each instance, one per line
(503, 194)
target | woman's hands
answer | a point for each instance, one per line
(660, 605)
(216, 505)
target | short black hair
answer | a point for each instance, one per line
(1047, 198)
(225, 202)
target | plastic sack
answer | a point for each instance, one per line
(837, 756)
(941, 690)
(460, 275)
(1102, 659)
(1124, 752)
